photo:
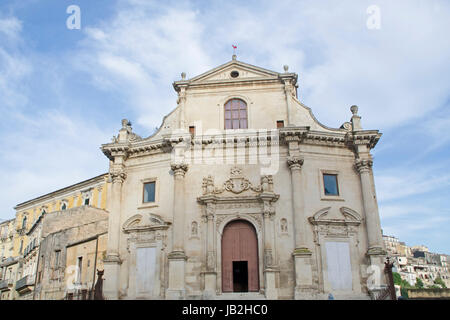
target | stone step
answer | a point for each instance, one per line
(241, 296)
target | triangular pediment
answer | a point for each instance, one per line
(225, 73)
(343, 216)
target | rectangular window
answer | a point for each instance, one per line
(86, 201)
(330, 184)
(149, 192)
(280, 124)
(80, 266)
(57, 254)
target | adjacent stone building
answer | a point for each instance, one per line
(242, 192)
(21, 237)
(8, 262)
(72, 249)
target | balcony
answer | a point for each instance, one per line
(25, 285)
(5, 284)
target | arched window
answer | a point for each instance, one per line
(235, 114)
(24, 223)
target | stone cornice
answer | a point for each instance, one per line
(56, 195)
(364, 137)
(231, 82)
(264, 76)
(270, 196)
(112, 150)
(293, 133)
(303, 135)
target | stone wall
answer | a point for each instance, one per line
(429, 294)
(62, 229)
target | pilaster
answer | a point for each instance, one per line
(177, 258)
(364, 168)
(112, 261)
(302, 254)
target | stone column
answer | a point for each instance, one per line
(177, 257)
(364, 168)
(302, 255)
(112, 261)
(210, 273)
(375, 252)
(270, 270)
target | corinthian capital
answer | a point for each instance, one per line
(295, 162)
(179, 168)
(118, 176)
(363, 165)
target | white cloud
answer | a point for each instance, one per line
(10, 27)
(50, 151)
(141, 54)
(339, 60)
(44, 147)
(14, 67)
(397, 183)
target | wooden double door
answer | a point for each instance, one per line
(240, 257)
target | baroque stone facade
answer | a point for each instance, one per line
(240, 146)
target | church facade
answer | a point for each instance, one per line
(242, 193)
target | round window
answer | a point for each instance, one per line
(234, 74)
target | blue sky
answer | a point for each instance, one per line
(63, 92)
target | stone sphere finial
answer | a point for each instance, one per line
(183, 75)
(354, 109)
(286, 68)
(234, 57)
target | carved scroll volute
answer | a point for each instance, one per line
(118, 175)
(295, 163)
(364, 165)
(179, 169)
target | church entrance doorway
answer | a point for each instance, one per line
(240, 276)
(239, 257)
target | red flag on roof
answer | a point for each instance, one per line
(234, 47)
